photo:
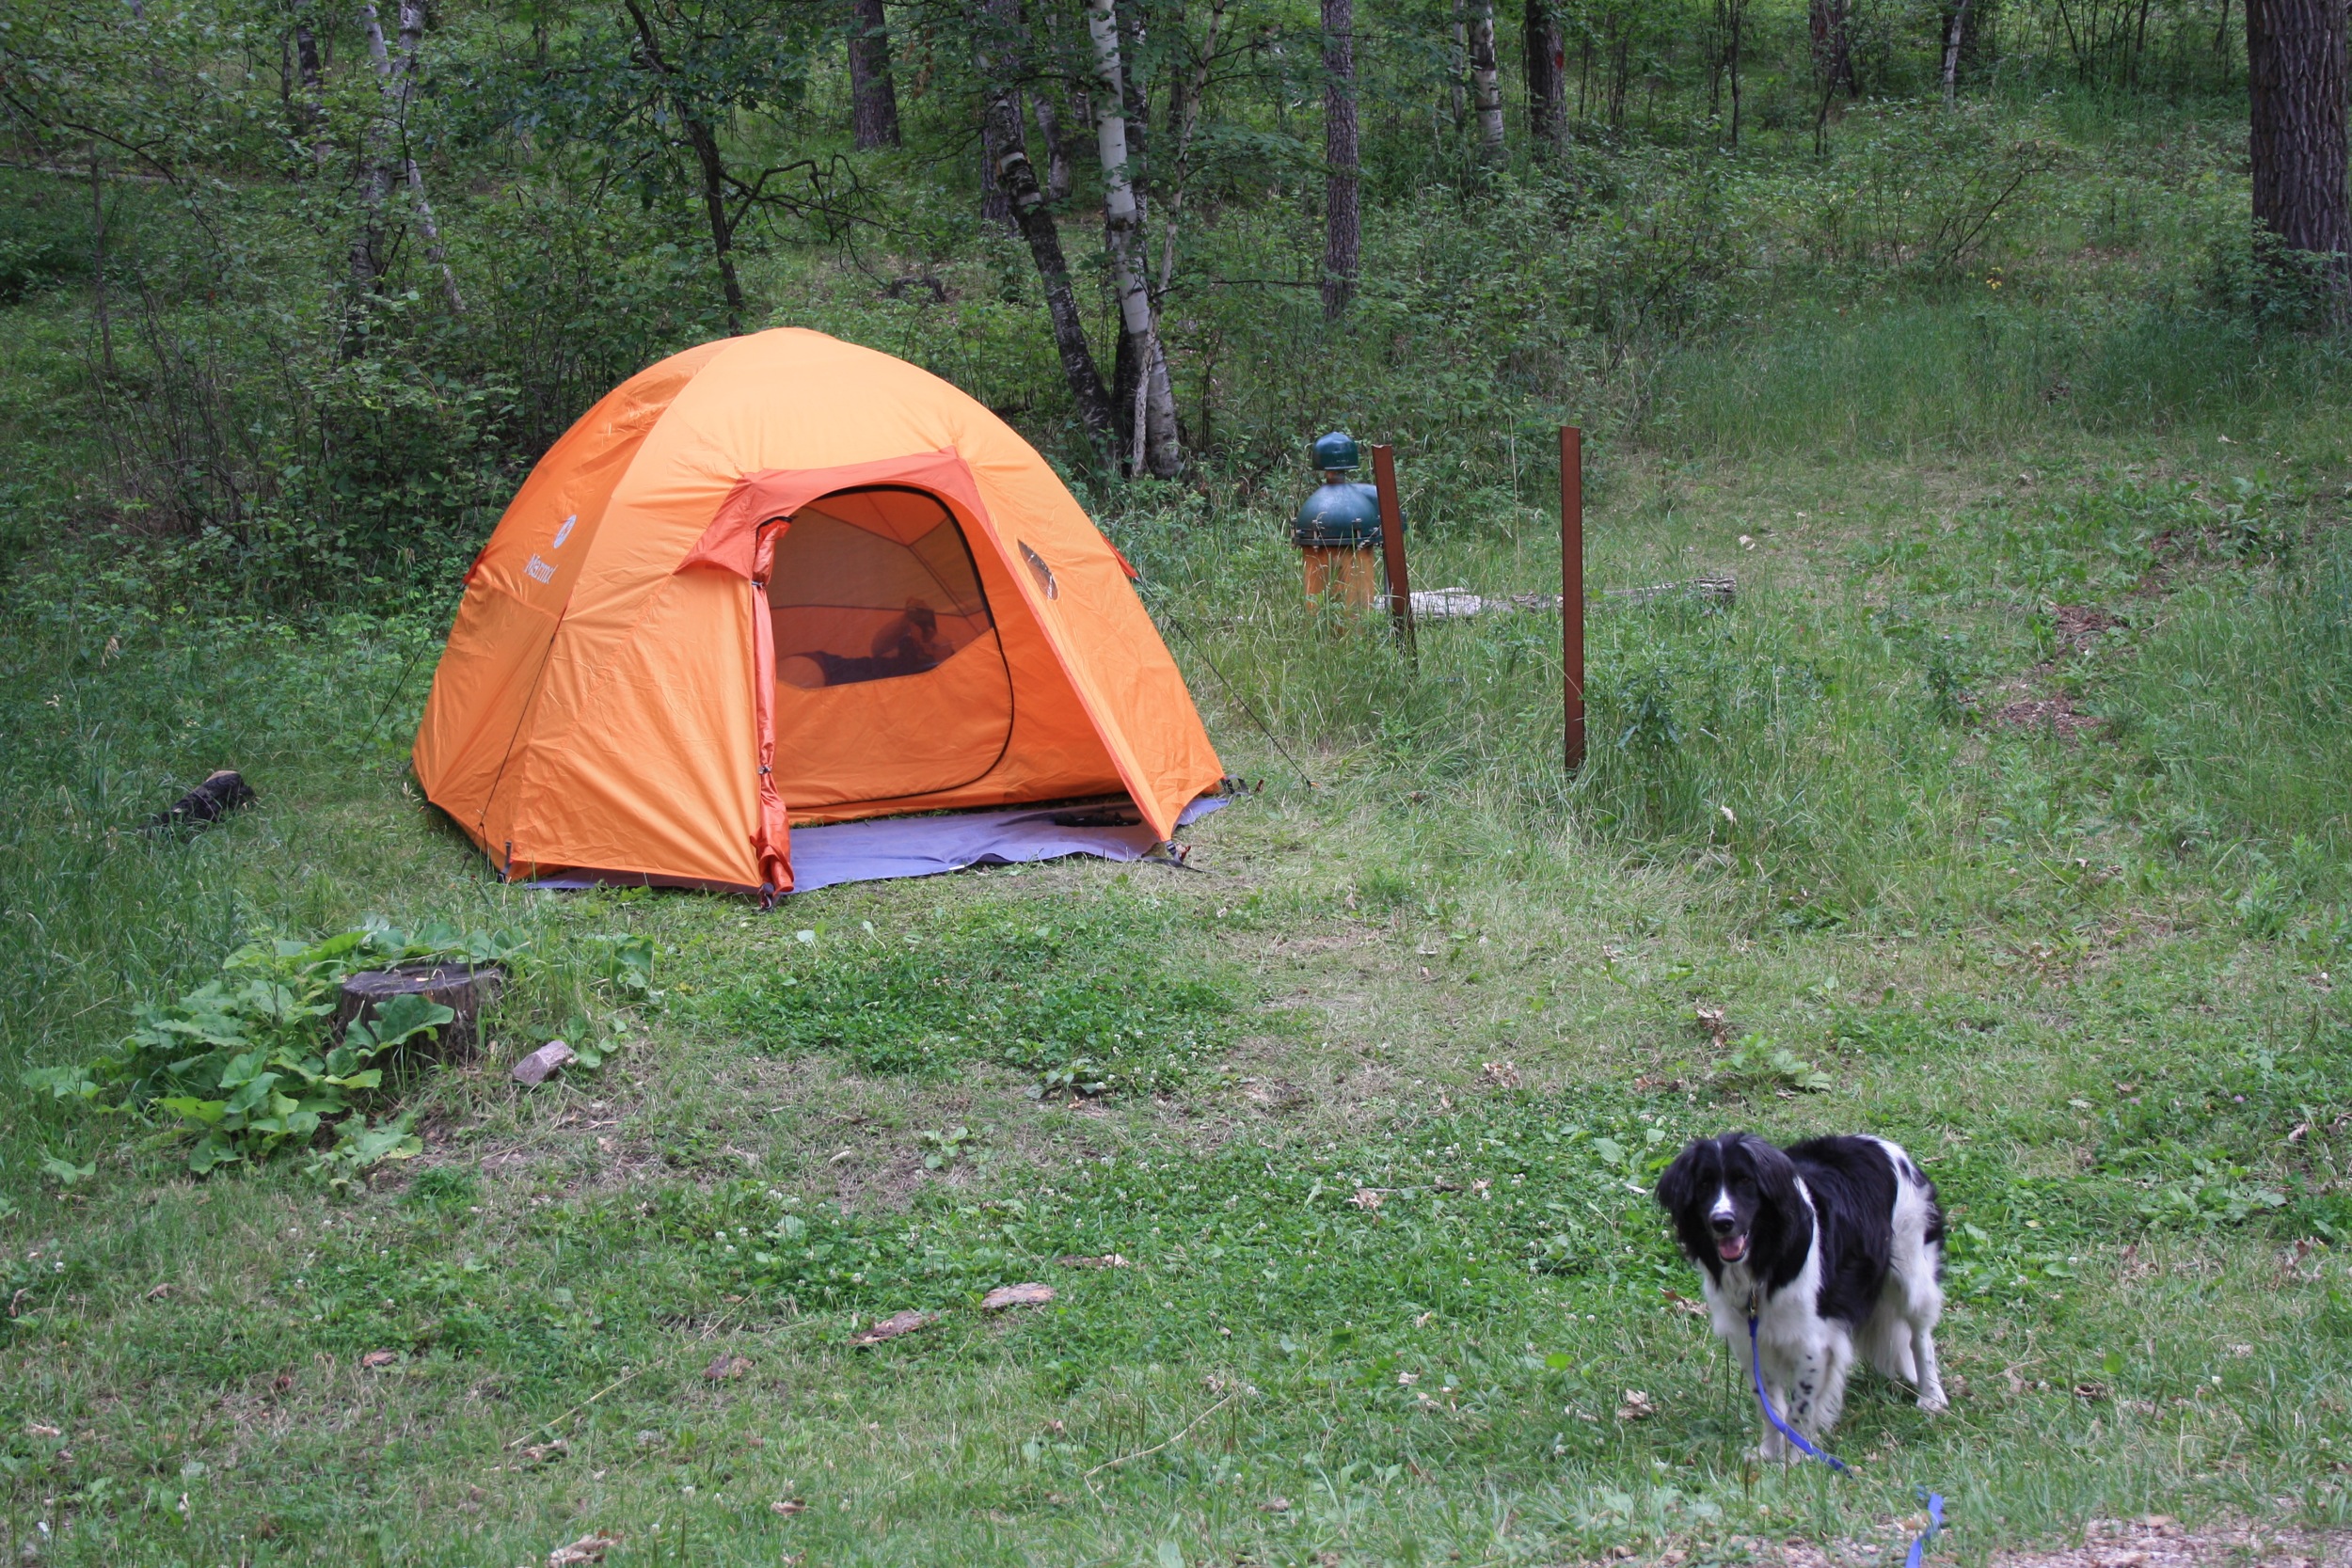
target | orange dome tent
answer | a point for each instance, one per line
(784, 579)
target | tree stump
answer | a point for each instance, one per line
(463, 989)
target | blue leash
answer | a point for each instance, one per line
(1933, 1499)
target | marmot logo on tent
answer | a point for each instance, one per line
(540, 570)
(1040, 571)
(566, 531)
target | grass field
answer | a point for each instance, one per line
(2004, 814)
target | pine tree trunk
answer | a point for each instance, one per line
(2294, 74)
(1547, 75)
(1485, 88)
(1342, 221)
(873, 92)
(1000, 68)
(1142, 404)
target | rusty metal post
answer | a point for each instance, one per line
(1392, 546)
(1572, 588)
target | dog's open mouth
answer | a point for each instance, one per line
(1732, 1248)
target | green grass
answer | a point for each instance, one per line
(2004, 812)
(2101, 1032)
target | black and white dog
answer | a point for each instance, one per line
(1829, 1243)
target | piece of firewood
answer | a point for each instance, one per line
(221, 793)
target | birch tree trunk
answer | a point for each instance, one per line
(873, 91)
(397, 81)
(1057, 154)
(1000, 68)
(314, 117)
(1485, 87)
(1951, 50)
(2294, 76)
(1547, 75)
(1145, 406)
(1342, 220)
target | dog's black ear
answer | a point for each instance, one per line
(1775, 1173)
(1680, 1181)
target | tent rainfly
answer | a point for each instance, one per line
(777, 581)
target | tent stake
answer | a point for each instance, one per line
(1572, 588)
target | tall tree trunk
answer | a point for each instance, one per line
(995, 207)
(98, 268)
(873, 93)
(704, 142)
(390, 158)
(1056, 153)
(1141, 401)
(1342, 221)
(311, 118)
(1135, 96)
(1952, 37)
(2294, 76)
(1000, 68)
(1486, 89)
(1739, 9)
(1832, 44)
(1547, 75)
(1459, 89)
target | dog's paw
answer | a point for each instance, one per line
(1935, 1404)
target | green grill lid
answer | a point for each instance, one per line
(1335, 451)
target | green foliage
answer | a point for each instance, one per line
(1085, 1005)
(246, 1066)
(1760, 1062)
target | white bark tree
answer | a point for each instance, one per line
(1485, 86)
(1151, 416)
(389, 154)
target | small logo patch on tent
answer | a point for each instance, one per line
(1040, 571)
(566, 531)
(540, 570)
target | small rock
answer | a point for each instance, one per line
(1030, 1294)
(542, 1063)
(894, 1325)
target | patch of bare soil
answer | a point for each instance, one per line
(2080, 627)
(2055, 713)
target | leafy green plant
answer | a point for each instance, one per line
(1759, 1062)
(248, 1065)
(941, 1149)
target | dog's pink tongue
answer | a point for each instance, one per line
(1733, 1250)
